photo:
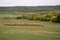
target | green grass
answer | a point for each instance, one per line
(50, 31)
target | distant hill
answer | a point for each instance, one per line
(29, 8)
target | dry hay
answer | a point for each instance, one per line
(23, 24)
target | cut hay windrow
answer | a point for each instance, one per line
(23, 24)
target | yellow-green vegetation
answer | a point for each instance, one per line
(31, 16)
(50, 31)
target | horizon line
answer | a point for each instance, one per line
(25, 5)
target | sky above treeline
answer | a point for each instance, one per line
(29, 2)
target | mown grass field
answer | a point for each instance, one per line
(50, 31)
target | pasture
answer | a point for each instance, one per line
(50, 31)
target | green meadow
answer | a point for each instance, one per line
(50, 31)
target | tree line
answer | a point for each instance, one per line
(45, 17)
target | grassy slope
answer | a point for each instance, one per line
(50, 31)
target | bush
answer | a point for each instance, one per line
(19, 17)
(58, 18)
(53, 19)
(35, 17)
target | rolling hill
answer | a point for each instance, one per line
(29, 8)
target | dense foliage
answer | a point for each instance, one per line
(44, 17)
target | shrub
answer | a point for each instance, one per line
(58, 18)
(19, 17)
(46, 17)
(53, 19)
